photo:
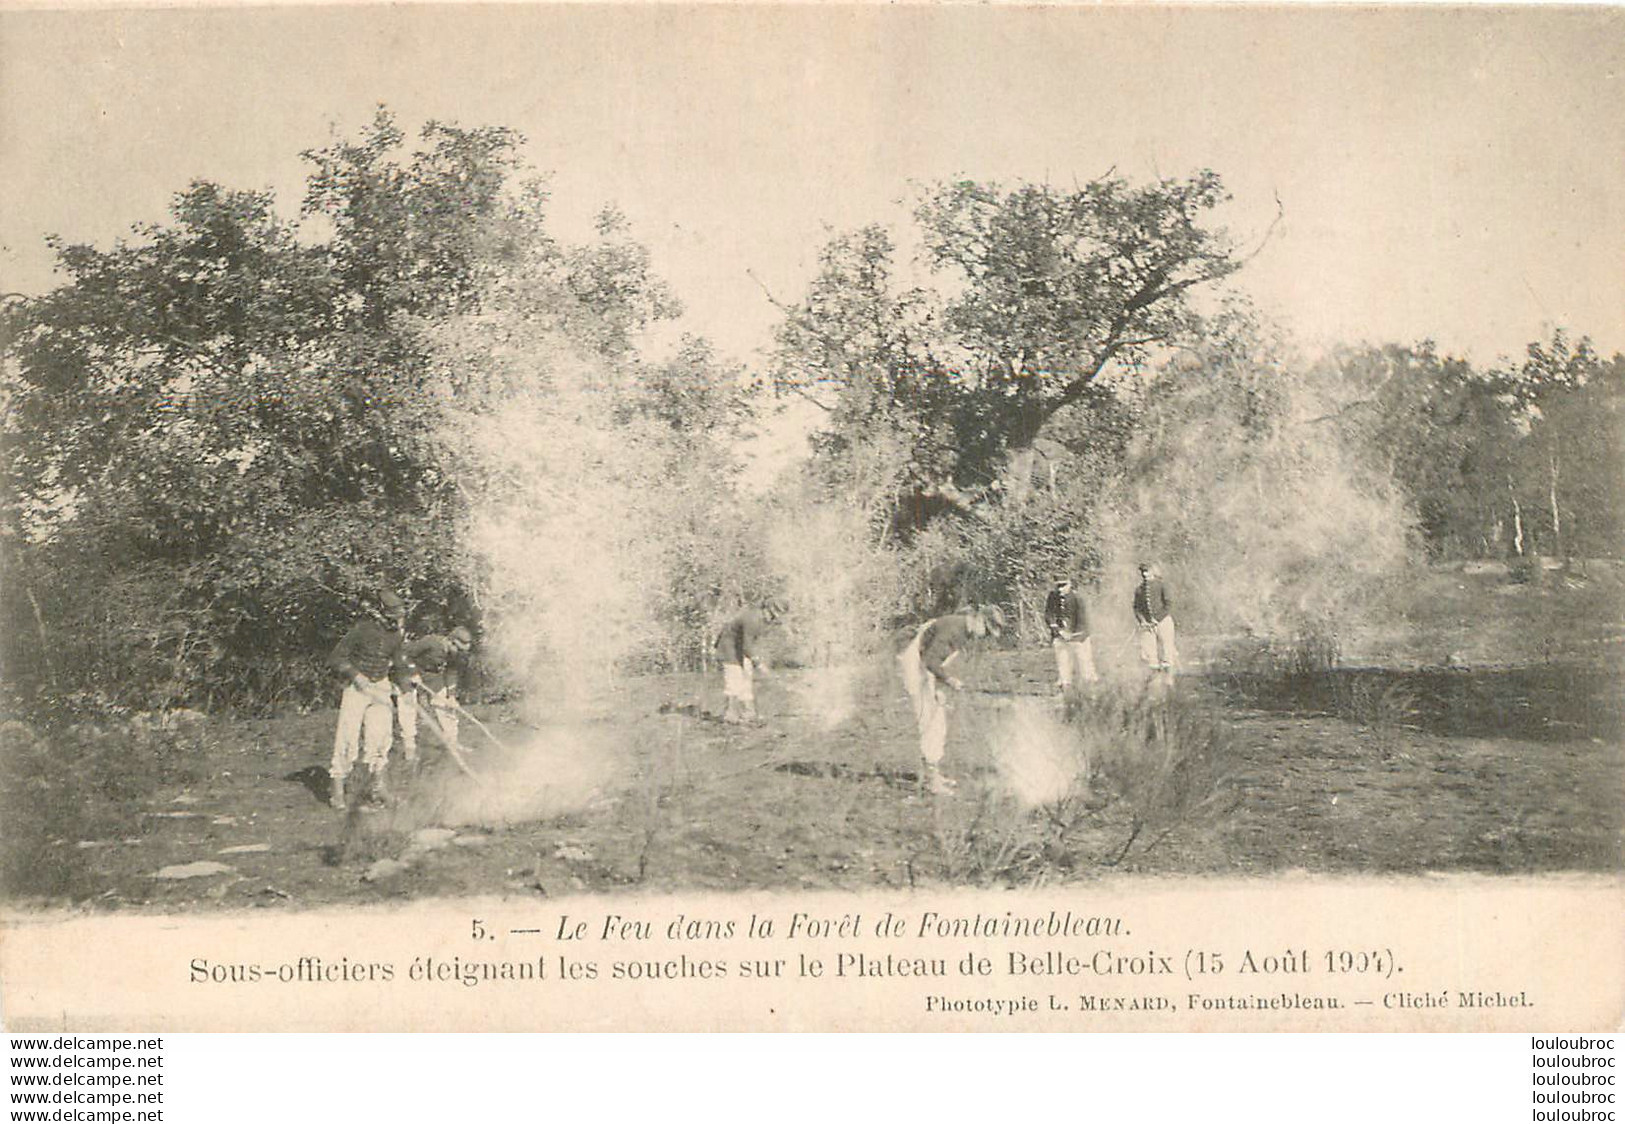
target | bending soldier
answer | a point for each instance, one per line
(436, 665)
(737, 647)
(924, 664)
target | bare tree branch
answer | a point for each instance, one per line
(768, 293)
(1280, 213)
(802, 392)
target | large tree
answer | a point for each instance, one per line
(1052, 286)
(224, 428)
(1036, 294)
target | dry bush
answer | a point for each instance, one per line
(1142, 766)
(1315, 649)
(1164, 756)
(978, 837)
(1364, 699)
(990, 837)
(1387, 711)
(1309, 651)
(1527, 569)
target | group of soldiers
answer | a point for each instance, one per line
(1068, 624)
(385, 674)
(924, 663)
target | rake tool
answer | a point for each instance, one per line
(450, 746)
(484, 729)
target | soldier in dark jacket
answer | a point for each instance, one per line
(435, 664)
(737, 649)
(1069, 635)
(1153, 613)
(370, 659)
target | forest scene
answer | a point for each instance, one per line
(1398, 573)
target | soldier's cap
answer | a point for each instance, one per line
(391, 602)
(462, 636)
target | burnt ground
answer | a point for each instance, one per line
(1509, 766)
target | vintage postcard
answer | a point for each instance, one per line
(812, 517)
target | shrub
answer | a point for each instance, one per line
(1385, 711)
(1132, 770)
(1315, 649)
(1165, 755)
(1527, 569)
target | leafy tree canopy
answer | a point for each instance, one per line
(1041, 291)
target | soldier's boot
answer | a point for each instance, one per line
(935, 783)
(335, 797)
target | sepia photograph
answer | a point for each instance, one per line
(600, 458)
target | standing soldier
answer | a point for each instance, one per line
(924, 665)
(1153, 612)
(369, 657)
(436, 663)
(1069, 635)
(737, 649)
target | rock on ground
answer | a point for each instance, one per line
(193, 870)
(385, 868)
(432, 838)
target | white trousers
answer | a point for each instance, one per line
(930, 704)
(365, 729)
(1158, 649)
(406, 713)
(443, 713)
(739, 690)
(1074, 659)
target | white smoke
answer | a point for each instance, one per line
(840, 588)
(1264, 517)
(569, 560)
(1038, 756)
(563, 486)
(544, 774)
